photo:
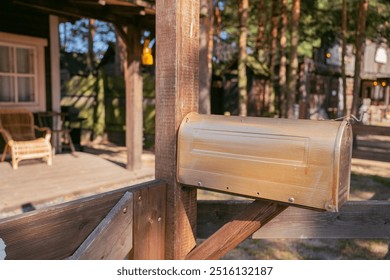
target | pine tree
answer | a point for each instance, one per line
(294, 64)
(242, 78)
(360, 38)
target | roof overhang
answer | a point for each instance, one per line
(122, 12)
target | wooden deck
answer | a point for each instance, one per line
(68, 178)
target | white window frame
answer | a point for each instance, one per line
(38, 46)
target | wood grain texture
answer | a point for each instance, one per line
(177, 86)
(256, 215)
(370, 130)
(356, 219)
(213, 214)
(149, 223)
(112, 239)
(56, 232)
(364, 149)
(134, 96)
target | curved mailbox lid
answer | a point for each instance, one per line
(301, 162)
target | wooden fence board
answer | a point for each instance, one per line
(359, 129)
(369, 149)
(360, 219)
(149, 223)
(356, 219)
(112, 239)
(56, 232)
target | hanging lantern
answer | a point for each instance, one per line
(147, 57)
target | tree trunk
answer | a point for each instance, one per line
(260, 40)
(294, 64)
(262, 48)
(274, 38)
(242, 78)
(205, 55)
(91, 54)
(360, 37)
(283, 60)
(343, 54)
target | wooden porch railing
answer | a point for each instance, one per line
(57, 232)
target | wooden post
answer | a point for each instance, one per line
(149, 223)
(55, 75)
(134, 95)
(177, 83)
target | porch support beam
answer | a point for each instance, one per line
(131, 37)
(55, 74)
(122, 34)
(256, 215)
(177, 86)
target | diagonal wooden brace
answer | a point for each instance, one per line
(113, 237)
(256, 215)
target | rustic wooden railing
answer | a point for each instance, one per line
(131, 219)
(356, 219)
(366, 149)
(130, 223)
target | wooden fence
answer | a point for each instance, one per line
(158, 219)
(104, 226)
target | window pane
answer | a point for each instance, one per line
(6, 89)
(5, 58)
(24, 60)
(25, 89)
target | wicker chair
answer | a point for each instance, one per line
(18, 131)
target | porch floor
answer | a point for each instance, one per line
(37, 184)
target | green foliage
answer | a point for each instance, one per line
(320, 25)
(149, 110)
(114, 88)
(378, 20)
(80, 92)
(101, 101)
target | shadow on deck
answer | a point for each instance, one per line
(36, 185)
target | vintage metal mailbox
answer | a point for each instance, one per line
(301, 162)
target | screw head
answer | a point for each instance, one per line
(291, 200)
(330, 206)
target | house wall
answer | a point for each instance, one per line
(371, 68)
(24, 21)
